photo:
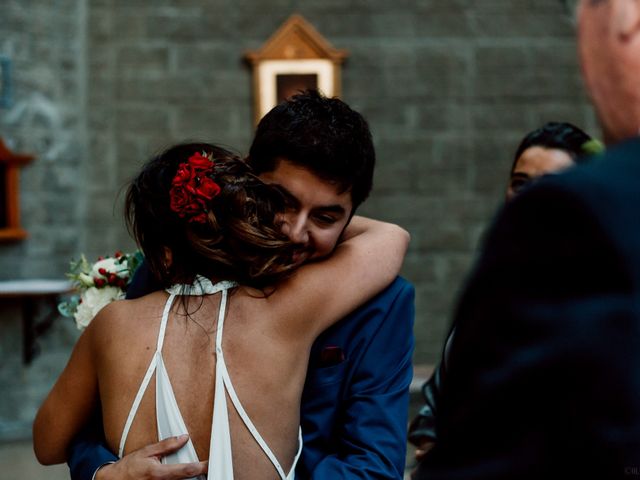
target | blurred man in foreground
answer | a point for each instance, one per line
(543, 371)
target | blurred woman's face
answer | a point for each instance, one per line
(535, 162)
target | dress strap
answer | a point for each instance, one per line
(249, 424)
(220, 325)
(225, 381)
(163, 323)
(136, 403)
(147, 376)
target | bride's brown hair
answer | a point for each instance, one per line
(240, 239)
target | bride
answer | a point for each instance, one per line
(221, 354)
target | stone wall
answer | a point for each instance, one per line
(448, 86)
(45, 42)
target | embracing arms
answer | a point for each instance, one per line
(365, 262)
(368, 259)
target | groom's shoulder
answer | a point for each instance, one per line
(394, 303)
(385, 319)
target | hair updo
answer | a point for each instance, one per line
(239, 238)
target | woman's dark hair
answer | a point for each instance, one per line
(561, 135)
(239, 240)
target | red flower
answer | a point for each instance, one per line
(200, 163)
(208, 188)
(179, 199)
(183, 174)
(193, 188)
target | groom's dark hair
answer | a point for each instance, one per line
(322, 134)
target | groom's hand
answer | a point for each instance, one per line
(145, 464)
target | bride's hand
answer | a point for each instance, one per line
(145, 464)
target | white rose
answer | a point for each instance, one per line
(93, 300)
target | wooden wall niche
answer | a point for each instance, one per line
(294, 58)
(10, 164)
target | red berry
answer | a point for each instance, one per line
(99, 282)
(102, 271)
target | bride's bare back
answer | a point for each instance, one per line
(266, 368)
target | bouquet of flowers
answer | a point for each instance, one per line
(98, 284)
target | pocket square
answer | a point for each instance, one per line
(331, 355)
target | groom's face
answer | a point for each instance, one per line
(317, 211)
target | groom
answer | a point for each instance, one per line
(355, 400)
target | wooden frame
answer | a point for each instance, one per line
(295, 57)
(11, 164)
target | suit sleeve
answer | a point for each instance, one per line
(88, 451)
(538, 379)
(371, 436)
(142, 282)
(423, 427)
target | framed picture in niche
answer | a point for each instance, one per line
(295, 58)
(288, 84)
(280, 79)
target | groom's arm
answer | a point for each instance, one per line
(88, 451)
(91, 460)
(143, 282)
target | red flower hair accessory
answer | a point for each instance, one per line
(192, 188)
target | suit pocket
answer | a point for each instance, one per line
(324, 376)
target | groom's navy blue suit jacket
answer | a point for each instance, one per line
(355, 399)
(543, 372)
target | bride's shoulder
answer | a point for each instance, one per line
(128, 318)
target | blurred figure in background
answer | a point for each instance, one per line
(550, 149)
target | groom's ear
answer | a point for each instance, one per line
(626, 21)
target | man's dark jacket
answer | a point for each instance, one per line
(543, 372)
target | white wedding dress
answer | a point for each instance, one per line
(169, 419)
